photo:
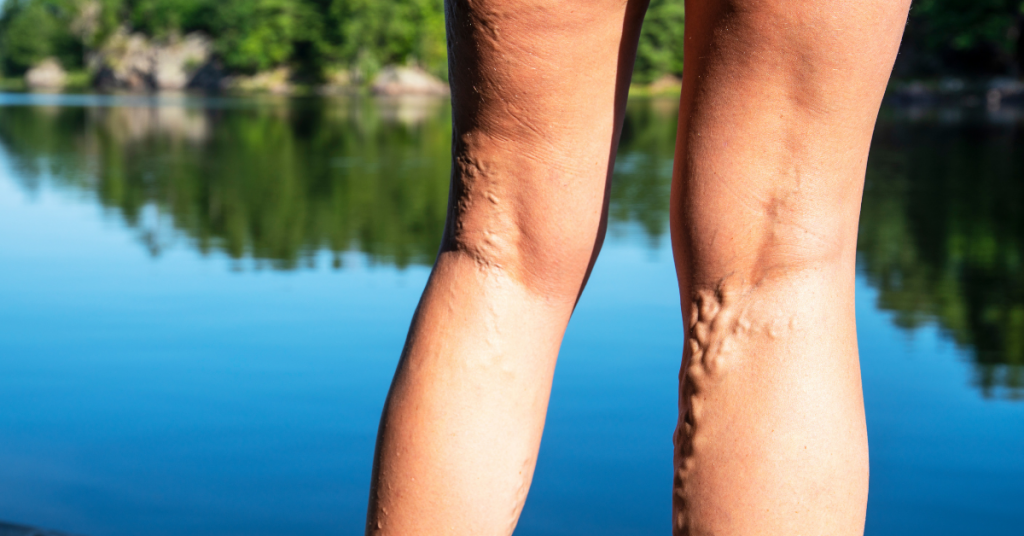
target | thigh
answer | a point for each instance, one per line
(538, 92)
(779, 103)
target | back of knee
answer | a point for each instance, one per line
(534, 257)
(523, 240)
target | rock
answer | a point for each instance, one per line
(125, 61)
(340, 78)
(666, 84)
(48, 74)
(209, 77)
(175, 64)
(131, 61)
(394, 80)
(409, 110)
(338, 82)
(276, 81)
(132, 124)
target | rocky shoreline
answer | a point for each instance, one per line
(135, 63)
(991, 94)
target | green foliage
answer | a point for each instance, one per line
(965, 24)
(249, 35)
(33, 30)
(162, 18)
(969, 37)
(972, 37)
(373, 33)
(93, 28)
(255, 35)
(660, 50)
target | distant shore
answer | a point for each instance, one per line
(935, 93)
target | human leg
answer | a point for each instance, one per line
(778, 106)
(538, 91)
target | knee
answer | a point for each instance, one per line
(751, 231)
(547, 273)
(536, 233)
(507, 243)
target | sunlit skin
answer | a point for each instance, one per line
(778, 105)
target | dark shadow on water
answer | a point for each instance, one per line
(10, 529)
(274, 184)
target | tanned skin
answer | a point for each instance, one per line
(778, 106)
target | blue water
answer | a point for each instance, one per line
(184, 394)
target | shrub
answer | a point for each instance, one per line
(660, 50)
(33, 30)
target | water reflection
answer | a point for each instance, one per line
(278, 182)
(272, 183)
(942, 238)
(643, 168)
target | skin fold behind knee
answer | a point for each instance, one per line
(534, 221)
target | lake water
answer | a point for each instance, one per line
(202, 302)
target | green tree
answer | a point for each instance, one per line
(161, 18)
(254, 35)
(978, 37)
(94, 20)
(31, 30)
(373, 33)
(660, 50)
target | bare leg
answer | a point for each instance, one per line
(538, 87)
(778, 106)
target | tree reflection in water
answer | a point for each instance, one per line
(942, 231)
(272, 183)
(942, 238)
(278, 183)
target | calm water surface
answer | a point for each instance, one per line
(202, 303)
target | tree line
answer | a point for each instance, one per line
(313, 36)
(960, 37)
(248, 35)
